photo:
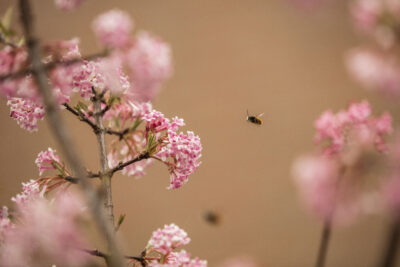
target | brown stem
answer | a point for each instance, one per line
(105, 176)
(323, 246)
(60, 131)
(82, 117)
(121, 165)
(388, 258)
(95, 128)
(51, 65)
(98, 253)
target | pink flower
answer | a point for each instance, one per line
(316, 178)
(105, 74)
(375, 71)
(30, 191)
(113, 28)
(47, 160)
(185, 152)
(67, 5)
(49, 229)
(149, 60)
(26, 113)
(353, 126)
(156, 122)
(167, 239)
(366, 14)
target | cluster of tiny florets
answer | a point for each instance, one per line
(26, 112)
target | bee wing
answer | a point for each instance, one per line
(260, 115)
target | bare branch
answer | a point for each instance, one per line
(60, 132)
(95, 128)
(98, 253)
(121, 165)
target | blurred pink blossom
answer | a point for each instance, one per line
(149, 60)
(67, 5)
(374, 70)
(46, 233)
(354, 125)
(113, 28)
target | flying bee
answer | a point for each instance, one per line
(212, 217)
(254, 119)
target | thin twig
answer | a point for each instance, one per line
(388, 258)
(98, 253)
(121, 165)
(95, 128)
(323, 245)
(52, 65)
(82, 117)
(60, 132)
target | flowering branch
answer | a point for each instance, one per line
(51, 65)
(60, 131)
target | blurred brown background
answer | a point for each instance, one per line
(229, 56)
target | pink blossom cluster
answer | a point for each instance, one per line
(355, 124)
(123, 116)
(156, 122)
(375, 70)
(47, 160)
(30, 191)
(165, 241)
(113, 28)
(149, 61)
(147, 57)
(67, 5)
(24, 100)
(379, 19)
(169, 238)
(46, 233)
(26, 112)
(183, 149)
(105, 74)
(332, 183)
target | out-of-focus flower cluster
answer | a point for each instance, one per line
(67, 5)
(333, 183)
(42, 232)
(376, 66)
(165, 241)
